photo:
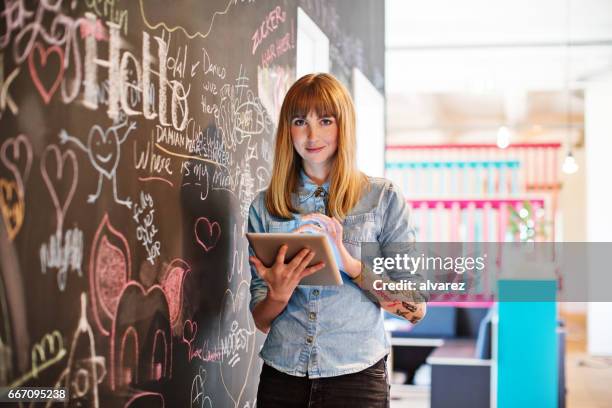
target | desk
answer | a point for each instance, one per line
(414, 359)
(416, 342)
(458, 379)
(457, 352)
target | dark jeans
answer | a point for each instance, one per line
(365, 389)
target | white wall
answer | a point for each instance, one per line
(312, 47)
(598, 149)
(370, 111)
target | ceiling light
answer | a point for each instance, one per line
(503, 137)
(569, 164)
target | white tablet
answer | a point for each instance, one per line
(266, 246)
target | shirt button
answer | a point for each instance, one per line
(315, 292)
(309, 339)
(312, 315)
(321, 210)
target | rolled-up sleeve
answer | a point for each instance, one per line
(398, 236)
(258, 286)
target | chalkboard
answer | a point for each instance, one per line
(133, 137)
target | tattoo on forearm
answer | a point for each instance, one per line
(414, 319)
(409, 306)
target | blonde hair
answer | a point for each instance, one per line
(325, 95)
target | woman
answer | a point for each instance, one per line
(326, 345)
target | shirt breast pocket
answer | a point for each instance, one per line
(360, 228)
(282, 226)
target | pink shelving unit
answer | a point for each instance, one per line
(466, 192)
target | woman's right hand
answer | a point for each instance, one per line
(282, 278)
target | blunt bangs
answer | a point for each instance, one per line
(316, 96)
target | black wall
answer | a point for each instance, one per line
(133, 137)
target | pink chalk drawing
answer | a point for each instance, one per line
(146, 399)
(128, 372)
(156, 179)
(172, 283)
(207, 234)
(190, 329)
(203, 352)
(16, 155)
(135, 300)
(96, 30)
(38, 50)
(156, 370)
(57, 176)
(111, 264)
(135, 355)
(109, 269)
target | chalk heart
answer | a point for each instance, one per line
(16, 155)
(41, 54)
(207, 234)
(104, 150)
(190, 329)
(53, 169)
(236, 332)
(11, 206)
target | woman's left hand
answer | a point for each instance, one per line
(333, 228)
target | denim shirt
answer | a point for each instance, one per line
(326, 331)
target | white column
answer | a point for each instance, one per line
(598, 154)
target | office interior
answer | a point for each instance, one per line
(500, 109)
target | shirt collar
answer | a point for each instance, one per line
(308, 187)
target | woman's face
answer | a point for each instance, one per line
(316, 141)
